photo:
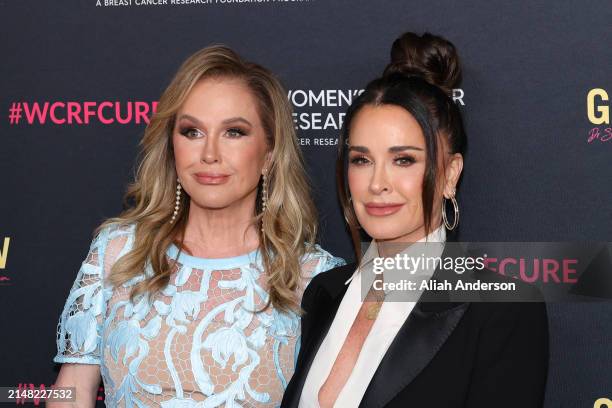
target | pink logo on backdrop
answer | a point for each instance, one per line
(81, 113)
(599, 134)
(535, 270)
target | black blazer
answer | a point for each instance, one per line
(446, 354)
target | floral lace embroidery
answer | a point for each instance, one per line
(198, 343)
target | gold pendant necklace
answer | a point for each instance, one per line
(372, 310)
(376, 299)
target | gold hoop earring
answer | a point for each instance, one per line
(456, 209)
(178, 200)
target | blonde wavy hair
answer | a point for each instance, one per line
(290, 220)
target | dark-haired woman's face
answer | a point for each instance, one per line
(387, 162)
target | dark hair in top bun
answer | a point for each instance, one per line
(420, 78)
(431, 57)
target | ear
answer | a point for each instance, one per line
(452, 172)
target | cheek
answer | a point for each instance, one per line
(183, 153)
(358, 180)
(246, 161)
(408, 182)
(410, 187)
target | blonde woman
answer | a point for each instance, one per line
(190, 297)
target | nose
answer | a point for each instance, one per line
(379, 183)
(210, 150)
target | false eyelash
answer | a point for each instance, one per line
(186, 130)
(358, 160)
(237, 130)
(410, 159)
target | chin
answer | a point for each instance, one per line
(385, 235)
(387, 229)
(212, 203)
(377, 230)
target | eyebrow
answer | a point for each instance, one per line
(392, 149)
(237, 119)
(225, 122)
(193, 119)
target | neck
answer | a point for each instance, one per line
(221, 232)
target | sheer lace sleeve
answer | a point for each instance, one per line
(319, 261)
(80, 323)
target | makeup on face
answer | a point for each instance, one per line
(219, 143)
(386, 166)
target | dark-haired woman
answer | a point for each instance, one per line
(400, 161)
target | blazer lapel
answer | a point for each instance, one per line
(416, 343)
(429, 324)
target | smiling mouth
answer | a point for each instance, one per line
(382, 209)
(211, 178)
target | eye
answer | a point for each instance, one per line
(359, 160)
(235, 132)
(191, 132)
(404, 160)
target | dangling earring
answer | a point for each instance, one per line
(455, 207)
(264, 199)
(178, 200)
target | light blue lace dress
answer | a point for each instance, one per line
(195, 344)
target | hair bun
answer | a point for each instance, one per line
(429, 56)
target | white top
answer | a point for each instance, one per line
(390, 319)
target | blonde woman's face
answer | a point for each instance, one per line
(387, 160)
(219, 144)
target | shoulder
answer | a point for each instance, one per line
(109, 232)
(332, 281)
(512, 313)
(523, 308)
(336, 276)
(317, 260)
(111, 241)
(521, 292)
(522, 305)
